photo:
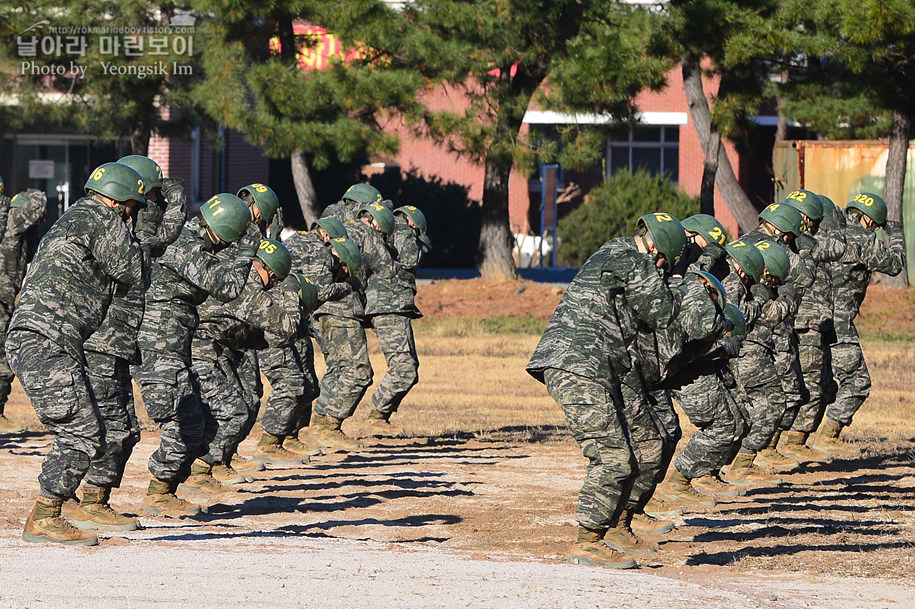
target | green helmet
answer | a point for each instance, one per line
(348, 252)
(264, 197)
(276, 257)
(829, 208)
(748, 257)
(776, 259)
(227, 216)
(871, 205)
(784, 217)
(707, 226)
(333, 227)
(712, 283)
(148, 169)
(806, 202)
(732, 312)
(363, 193)
(118, 182)
(667, 233)
(308, 292)
(1, 185)
(19, 199)
(382, 214)
(418, 217)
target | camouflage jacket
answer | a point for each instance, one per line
(16, 248)
(312, 258)
(257, 319)
(70, 282)
(377, 258)
(396, 295)
(344, 211)
(865, 254)
(615, 293)
(182, 278)
(815, 310)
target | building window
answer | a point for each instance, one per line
(654, 149)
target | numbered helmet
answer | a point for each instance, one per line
(19, 199)
(148, 169)
(667, 234)
(783, 217)
(308, 292)
(707, 226)
(348, 252)
(227, 216)
(264, 198)
(732, 312)
(806, 202)
(382, 214)
(333, 227)
(776, 259)
(871, 205)
(712, 284)
(363, 193)
(418, 217)
(118, 182)
(276, 257)
(748, 257)
(829, 208)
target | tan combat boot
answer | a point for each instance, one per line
(827, 439)
(711, 484)
(794, 444)
(769, 457)
(270, 449)
(623, 539)
(645, 524)
(678, 491)
(378, 425)
(742, 471)
(245, 465)
(589, 549)
(658, 508)
(160, 500)
(94, 512)
(46, 525)
(330, 436)
(308, 447)
(201, 480)
(226, 474)
(7, 426)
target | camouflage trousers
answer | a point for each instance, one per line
(705, 402)
(58, 389)
(6, 374)
(247, 366)
(816, 364)
(650, 426)
(765, 401)
(224, 398)
(738, 406)
(593, 413)
(349, 372)
(395, 336)
(791, 377)
(171, 394)
(294, 385)
(854, 380)
(668, 424)
(109, 377)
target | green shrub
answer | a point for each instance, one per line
(613, 209)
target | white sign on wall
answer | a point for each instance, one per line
(41, 170)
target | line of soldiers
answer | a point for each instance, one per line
(125, 288)
(754, 338)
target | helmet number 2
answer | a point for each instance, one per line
(663, 217)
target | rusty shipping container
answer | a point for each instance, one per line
(839, 169)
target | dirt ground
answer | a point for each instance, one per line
(475, 517)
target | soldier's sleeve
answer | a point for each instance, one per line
(698, 317)
(407, 247)
(118, 253)
(173, 220)
(779, 308)
(376, 255)
(4, 214)
(886, 258)
(285, 315)
(649, 296)
(803, 269)
(223, 279)
(30, 214)
(830, 246)
(318, 269)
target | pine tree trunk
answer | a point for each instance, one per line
(725, 179)
(304, 187)
(496, 239)
(895, 181)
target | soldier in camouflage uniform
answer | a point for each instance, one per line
(582, 358)
(340, 333)
(27, 211)
(182, 278)
(112, 349)
(390, 309)
(265, 313)
(66, 292)
(814, 325)
(865, 254)
(291, 370)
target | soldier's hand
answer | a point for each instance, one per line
(730, 345)
(250, 241)
(426, 242)
(149, 218)
(38, 196)
(171, 187)
(893, 226)
(683, 262)
(788, 291)
(4, 203)
(277, 226)
(760, 292)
